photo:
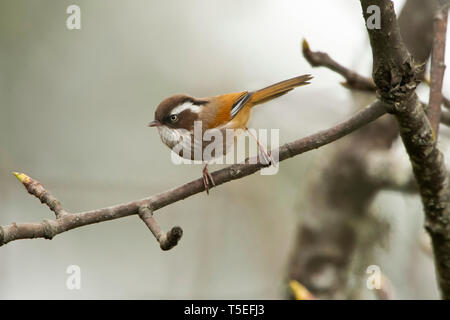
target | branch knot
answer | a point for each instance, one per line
(49, 230)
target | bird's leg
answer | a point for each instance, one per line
(205, 182)
(206, 178)
(266, 154)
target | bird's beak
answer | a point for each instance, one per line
(154, 123)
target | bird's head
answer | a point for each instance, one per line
(178, 112)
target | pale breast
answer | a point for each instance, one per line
(170, 137)
(214, 143)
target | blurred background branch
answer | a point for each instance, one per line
(437, 67)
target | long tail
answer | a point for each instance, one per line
(278, 89)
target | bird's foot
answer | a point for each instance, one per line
(266, 156)
(263, 154)
(207, 178)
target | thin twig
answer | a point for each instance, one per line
(49, 228)
(36, 189)
(166, 241)
(437, 68)
(322, 59)
(445, 100)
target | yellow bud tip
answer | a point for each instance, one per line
(305, 45)
(300, 292)
(22, 177)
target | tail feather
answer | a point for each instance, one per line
(279, 89)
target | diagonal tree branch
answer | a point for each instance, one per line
(396, 75)
(50, 228)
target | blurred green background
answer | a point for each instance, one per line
(74, 105)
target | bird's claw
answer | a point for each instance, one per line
(267, 158)
(207, 177)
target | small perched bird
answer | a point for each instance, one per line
(175, 116)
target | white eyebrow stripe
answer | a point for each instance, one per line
(186, 106)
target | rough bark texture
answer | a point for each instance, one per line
(337, 231)
(396, 75)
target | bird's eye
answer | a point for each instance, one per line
(173, 118)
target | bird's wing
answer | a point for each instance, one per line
(225, 107)
(240, 103)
